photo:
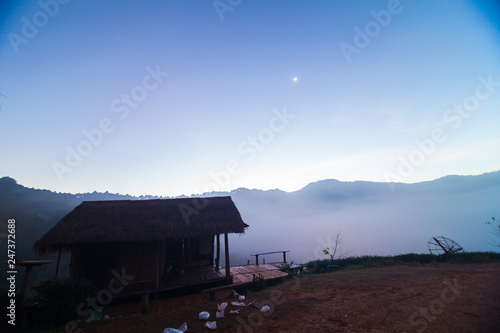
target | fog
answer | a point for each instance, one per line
(373, 219)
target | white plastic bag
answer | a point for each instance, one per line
(220, 310)
(204, 315)
(181, 329)
(211, 324)
(265, 308)
(241, 298)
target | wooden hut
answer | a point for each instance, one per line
(163, 244)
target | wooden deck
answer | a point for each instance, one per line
(194, 276)
(242, 276)
(206, 277)
(245, 274)
(200, 276)
(248, 275)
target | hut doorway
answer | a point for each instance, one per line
(184, 254)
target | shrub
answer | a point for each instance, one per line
(55, 301)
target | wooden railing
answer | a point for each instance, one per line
(266, 253)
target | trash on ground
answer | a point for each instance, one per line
(238, 303)
(241, 303)
(265, 308)
(204, 315)
(241, 298)
(220, 310)
(211, 324)
(181, 329)
(235, 311)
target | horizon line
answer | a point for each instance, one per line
(252, 189)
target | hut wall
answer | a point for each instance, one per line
(146, 261)
(140, 260)
(76, 264)
(95, 262)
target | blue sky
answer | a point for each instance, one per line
(182, 97)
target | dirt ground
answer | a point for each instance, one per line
(431, 298)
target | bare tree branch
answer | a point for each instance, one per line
(335, 252)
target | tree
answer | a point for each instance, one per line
(335, 252)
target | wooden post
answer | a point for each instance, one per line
(25, 284)
(257, 259)
(217, 259)
(226, 245)
(22, 314)
(284, 257)
(157, 283)
(212, 252)
(144, 303)
(57, 267)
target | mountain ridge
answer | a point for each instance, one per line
(9, 180)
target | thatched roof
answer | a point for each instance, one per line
(141, 220)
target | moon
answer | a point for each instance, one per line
(295, 79)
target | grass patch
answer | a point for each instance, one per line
(412, 259)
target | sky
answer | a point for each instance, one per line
(183, 97)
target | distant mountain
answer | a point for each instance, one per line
(376, 218)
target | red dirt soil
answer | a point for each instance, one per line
(430, 298)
